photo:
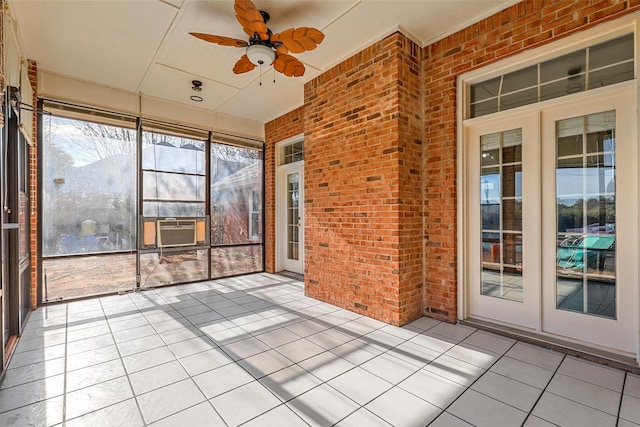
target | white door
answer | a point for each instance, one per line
(291, 217)
(503, 246)
(552, 221)
(590, 222)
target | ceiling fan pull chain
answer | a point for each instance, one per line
(274, 74)
(260, 73)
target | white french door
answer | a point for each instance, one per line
(290, 241)
(551, 221)
(503, 249)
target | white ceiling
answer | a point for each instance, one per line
(143, 46)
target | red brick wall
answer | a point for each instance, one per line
(523, 26)
(280, 129)
(362, 183)
(33, 187)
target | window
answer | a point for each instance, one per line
(600, 65)
(293, 153)
(254, 225)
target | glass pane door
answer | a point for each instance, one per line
(590, 222)
(504, 261)
(293, 216)
(501, 210)
(586, 214)
(290, 236)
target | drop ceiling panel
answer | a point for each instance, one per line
(367, 22)
(268, 101)
(175, 86)
(111, 43)
(135, 45)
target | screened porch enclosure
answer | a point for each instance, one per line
(134, 203)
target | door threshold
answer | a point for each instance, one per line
(292, 275)
(595, 355)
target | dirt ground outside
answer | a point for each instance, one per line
(87, 275)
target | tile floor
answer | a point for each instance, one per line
(254, 351)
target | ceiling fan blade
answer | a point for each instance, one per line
(298, 40)
(243, 65)
(251, 19)
(288, 65)
(221, 40)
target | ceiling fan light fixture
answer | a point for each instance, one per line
(260, 54)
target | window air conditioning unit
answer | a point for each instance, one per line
(176, 232)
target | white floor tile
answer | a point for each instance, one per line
(96, 397)
(44, 413)
(147, 359)
(174, 366)
(322, 406)
(491, 342)
(506, 390)
(205, 361)
(455, 332)
(33, 372)
(138, 346)
(480, 410)
(433, 388)
(244, 348)
(561, 411)
(603, 376)
(390, 368)
(412, 411)
(221, 380)
(26, 394)
(537, 422)
(586, 393)
(201, 415)
(356, 351)
(123, 414)
(632, 385)
(265, 363)
(523, 372)
(363, 417)
(538, 356)
(244, 403)
(359, 385)
(90, 344)
(169, 400)
(436, 343)
(94, 374)
(326, 365)
(281, 416)
(413, 353)
(90, 358)
(329, 338)
(630, 409)
(192, 346)
(278, 337)
(474, 355)
(300, 350)
(290, 382)
(455, 370)
(157, 376)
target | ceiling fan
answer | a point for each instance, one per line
(264, 47)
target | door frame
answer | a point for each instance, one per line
(622, 96)
(281, 205)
